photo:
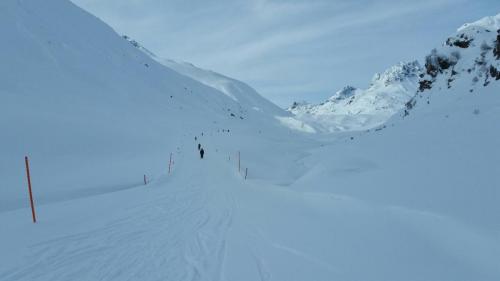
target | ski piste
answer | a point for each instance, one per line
(275, 197)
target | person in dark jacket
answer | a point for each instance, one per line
(202, 152)
(199, 147)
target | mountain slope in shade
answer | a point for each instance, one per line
(352, 109)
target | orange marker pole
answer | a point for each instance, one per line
(29, 188)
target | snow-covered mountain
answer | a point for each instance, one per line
(240, 92)
(76, 96)
(466, 64)
(352, 109)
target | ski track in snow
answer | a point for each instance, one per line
(184, 228)
(264, 272)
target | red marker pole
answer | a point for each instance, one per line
(29, 188)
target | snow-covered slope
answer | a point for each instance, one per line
(92, 110)
(438, 159)
(352, 109)
(448, 133)
(240, 92)
(468, 62)
(237, 90)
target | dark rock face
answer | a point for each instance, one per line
(431, 68)
(424, 85)
(461, 42)
(495, 73)
(409, 106)
(436, 63)
(496, 50)
(443, 62)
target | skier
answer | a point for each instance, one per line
(202, 152)
(199, 147)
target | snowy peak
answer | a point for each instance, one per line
(468, 59)
(359, 109)
(473, 34)
(398, 73)
(346, 92)
(490, 23)
(297, 104)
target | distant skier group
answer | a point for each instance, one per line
(200, 149)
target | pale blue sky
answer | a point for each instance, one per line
(291, 49)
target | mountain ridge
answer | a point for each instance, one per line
(352, 109)
(235, 89)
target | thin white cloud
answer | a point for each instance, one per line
(292, 44)
(319, 28)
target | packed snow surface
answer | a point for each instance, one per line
(415, 199)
